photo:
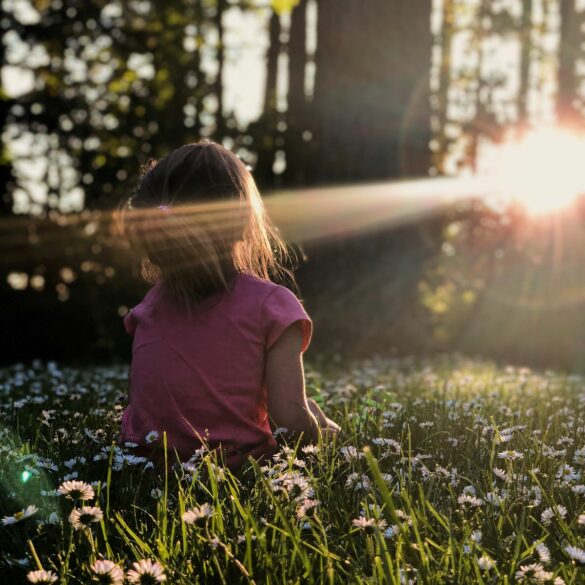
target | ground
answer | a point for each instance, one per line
(447, 471)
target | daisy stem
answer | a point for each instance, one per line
(31, 546)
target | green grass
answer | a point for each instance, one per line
(420, 443)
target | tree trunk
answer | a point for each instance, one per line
(526, 41)
(570, 49)
(372, 89)
(219, 117)
(297, 106)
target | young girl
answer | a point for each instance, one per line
(217, 348)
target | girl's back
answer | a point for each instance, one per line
(202, 374)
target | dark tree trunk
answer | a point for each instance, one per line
(297, 106)
(372, 89)
(264, 130)
(526, 40)
(569, 52)
(6, 176)
(220, 120)
(444, 83)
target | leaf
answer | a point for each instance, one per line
(283, 6)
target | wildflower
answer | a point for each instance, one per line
(358, 481)
(108, 573)
(151, 437)
(309, 449)
(307, 508)
(72, 475)
(83, 517)
(42, 577)
(20, 516)
(485, 563)
(218, 472)
(466, 501)
(391, 531)
(500, 473)
(550, 513)
(493, 499)
(76, 490)
(279, 431)
(579, 456)
(146, 571)
(122, 459)
(351, 453)
(533, 573)
(198, 515)
(577, 554)
(543, 553)
(156, 493)
(567, 474)
(294, 485)
(581, 520)
(578, 489)
(510, 455)
(369, 524)
(476, 536)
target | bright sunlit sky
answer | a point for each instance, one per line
(246, 37)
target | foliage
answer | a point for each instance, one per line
(447, 471)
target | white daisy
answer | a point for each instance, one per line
(20, 516)
(145, 572)
(358, 481)
(510, 455)
(485, 563)
(533, 573)
(198, 515)
(476, 536)
(76, 490)
(577, 554)
(567, 474)
(369, 524)
(466, 501)
(108, 573)
(42, 577)
(83, 517)
(548, 514)
(543, 553)
(151, 437)
(307, 508)
(351, 453)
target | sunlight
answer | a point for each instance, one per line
(544, 172)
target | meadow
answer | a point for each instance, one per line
(447, 471)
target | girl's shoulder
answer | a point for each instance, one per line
(261, 288)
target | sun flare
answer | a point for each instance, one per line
(544, 172)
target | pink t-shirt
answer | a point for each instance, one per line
(203, 375)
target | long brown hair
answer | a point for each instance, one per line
(197, 219)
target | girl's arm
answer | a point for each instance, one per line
(324, 422)
(285, 380)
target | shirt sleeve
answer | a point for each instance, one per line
(280, 310)
(129, 323)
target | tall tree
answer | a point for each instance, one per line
(296, 115)
(372, 89)
(571, 39)
(525, 61)
(6, 176)
(264, 130)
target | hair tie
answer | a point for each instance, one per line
(165, 209)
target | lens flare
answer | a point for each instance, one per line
(544, 172)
